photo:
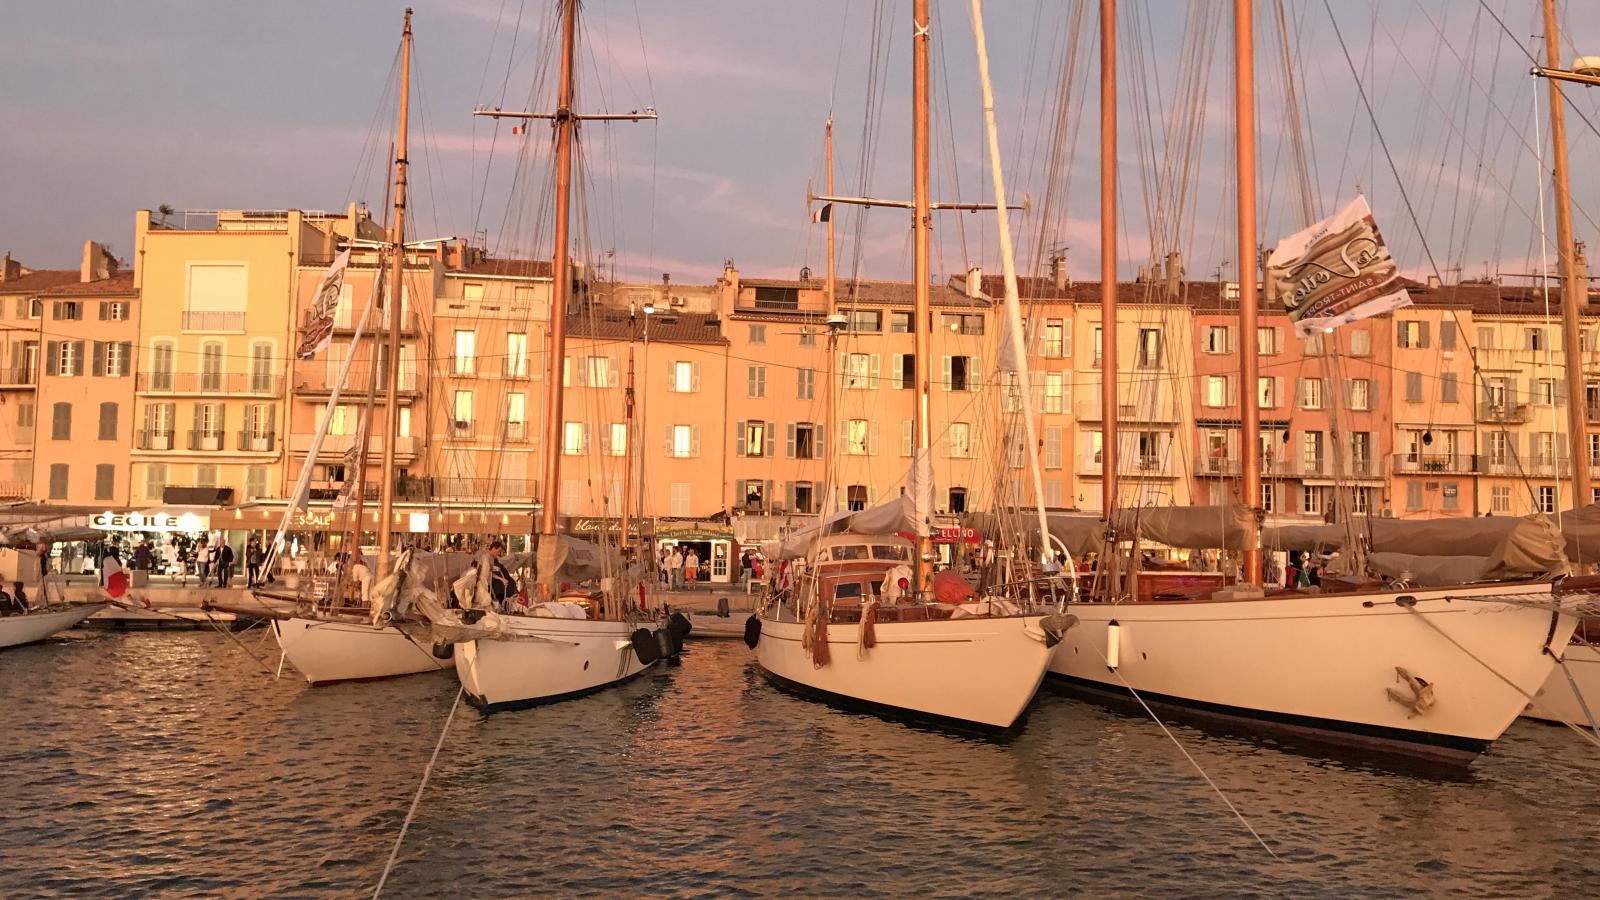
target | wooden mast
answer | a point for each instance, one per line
(627, 459)
(1249, 363)
(828, 141)
(392, 401)
(1108, 283)
(561, 284)
(921, 226)
(1573, 293)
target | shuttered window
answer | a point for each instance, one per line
(105, 480)
(61, 422)
(108, 421)
(58, 481)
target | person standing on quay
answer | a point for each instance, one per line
(675, 569)
(253, 558)
(691, 568)
(224, 557)
(202, 559)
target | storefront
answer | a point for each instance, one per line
(712, 543)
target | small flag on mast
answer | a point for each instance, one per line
(824, 214)
(519, 129)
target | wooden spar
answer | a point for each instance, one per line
(1009, 268)
(1108, 284)
(1025, 206)
(1249, 362)
(921, 225)
(391, 404)
(1572, 291)
(828, 141)
(627, 459)
(562, 277)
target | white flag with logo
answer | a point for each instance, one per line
(1336, 272)
(317, 333)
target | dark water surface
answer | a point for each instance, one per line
(172, 765)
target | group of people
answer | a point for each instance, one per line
(213, 564)
(679, 568)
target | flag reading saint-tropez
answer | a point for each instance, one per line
(1336, 272)
(318, 331)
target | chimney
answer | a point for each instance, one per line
(1058, 271)
(974, 281)
(1580, 264)
(1141, 276)
(730, 275)
(1433, 282)
(98, 264)
(10, 269)
(1174, 273)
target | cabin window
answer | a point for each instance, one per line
(850, 590)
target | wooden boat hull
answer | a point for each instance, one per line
(551, 660)
(1322, 666)
(36, 626)
(1555, 702)
(327, 651)
(971, 671)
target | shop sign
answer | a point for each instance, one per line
(155, 521)
(306, 518)
(949, 534)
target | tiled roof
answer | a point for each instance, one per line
(507, 268)
(39, 280)
(606, 324)
(121, 283)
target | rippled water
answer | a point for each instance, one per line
(173, 765)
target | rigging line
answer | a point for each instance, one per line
(427, 772)
(1535, 60)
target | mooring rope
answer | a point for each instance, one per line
(427, 772)
(1192, 761)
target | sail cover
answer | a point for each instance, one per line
(889, 517)
(1336, 272)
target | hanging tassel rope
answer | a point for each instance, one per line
(869, 630)
(427, 772)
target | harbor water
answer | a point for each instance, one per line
(174, 764)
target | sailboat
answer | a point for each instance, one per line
(846, 631)
(567, 646)
(1437, 673)
(333, 644)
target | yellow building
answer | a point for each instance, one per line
(22, 315)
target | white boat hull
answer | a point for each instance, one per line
(1555, 702)
(982, 671)
(36, 626)
(1322, 666)
(326, 651)
(552, 659)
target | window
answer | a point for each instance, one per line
(1311, 500)
(902, 323)
(1360, 453)
(1533, 339)
(963, 323)
(616, 439)
(756, 381)
(857, 437)
(1413, 387)
(1500, 499)
(570, 501)
(1311, 393)
(860, 371)
(1546, 394)
(805, 384)
(1547, 494)
(865, 321)
(25, 413)
(211, 366)
(1055, 339)
(1267, 341)
(1499, 447)
(1447, 336)
(516, 416)
(758, 334)
(679, 505)
(64, 358)
(574, 438)
(684, 377)
(461, 415)
(472, 292)
(755, 439)
(1216, 390)
(463, 360)
(260, 367)
(114, 310)
(112, 359)
(1486, 342)
(807, 441)
(961, 373)
(1411, 334)
(217, 297)
(516, 365)
(105, 480)
(1450, 491)
(908, 439)
(58, 481)
(1267, 392)
(1268, 496)
(960, 438)
(155, 480)
(1149, 447)
(161, 366)
(1448, 392)
(683, 441)
(599, 372)
(1360, 394)
(341, 422)
(1313, 345)
(68, 310)
(1053, 446)
(36, 308)
(1095, 442)
(1097, 341)
(752, 493)
(1361, 342)
(1149, 352)
(108, 421)
(958, 500)
(1010, 392)
(808, 338)
(1055, 392)
(1311, 452)
(804, 497)
(1216, 339)
(61, 422)
(255, 482)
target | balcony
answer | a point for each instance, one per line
(249, 442)
(1592, 413)
(1232, 467)
(337, 445)
(1435, 463)
(1504, 413)
(316, 379)
(345, 319)
(201, 383)
(18, 376)
(207, 440)
(1324, 468)
(16, 490)
(153, 440)
(461, 430)
(516, 368)
(408, 489)
(214, 322)
(486, 488)
(1134, 466)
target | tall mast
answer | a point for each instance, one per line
(1108, 271)
(562, 275)
(1249, 364)
(627, 459)
(830, 283)
(1572, 292)
(1008, 263)
(391, 404)
(920, 230)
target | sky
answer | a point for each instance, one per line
(111, 107)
